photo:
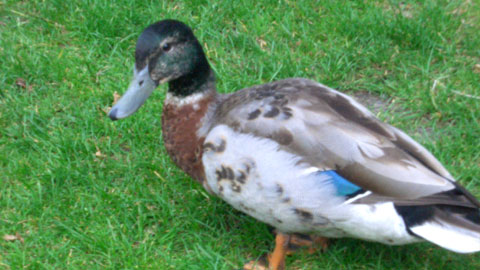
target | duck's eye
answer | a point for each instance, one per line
(166, 47)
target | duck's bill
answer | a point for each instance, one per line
(139, 90)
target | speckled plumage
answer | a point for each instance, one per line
(298, 155)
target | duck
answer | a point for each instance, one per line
(297, 155)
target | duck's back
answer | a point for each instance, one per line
(330, 130)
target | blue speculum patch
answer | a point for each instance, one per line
(343, 186)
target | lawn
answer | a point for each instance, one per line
(78, 191)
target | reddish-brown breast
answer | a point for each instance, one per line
(179, 126)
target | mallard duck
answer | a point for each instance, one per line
(297, 155)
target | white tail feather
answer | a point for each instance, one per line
(449, 236)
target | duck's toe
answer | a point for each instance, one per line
(312, 242)
(260, 264)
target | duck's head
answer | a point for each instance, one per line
(166, 51)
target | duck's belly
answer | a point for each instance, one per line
(256, 177)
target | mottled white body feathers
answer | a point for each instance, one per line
(258, 178)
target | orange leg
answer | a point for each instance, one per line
(286, 244)
(276, 260)
(313, 242)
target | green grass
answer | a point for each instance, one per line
(88, 193)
